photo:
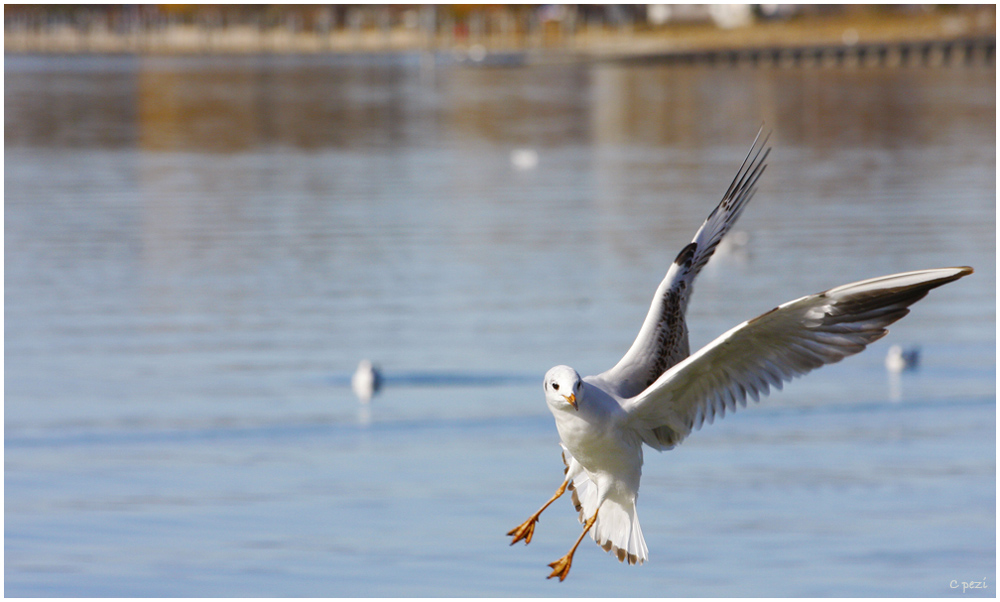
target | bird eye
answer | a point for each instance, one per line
(577, 385)
(555, 386)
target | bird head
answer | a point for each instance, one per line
(563, 388)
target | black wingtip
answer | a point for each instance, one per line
(753, 164)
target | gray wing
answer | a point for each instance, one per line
(663, 338)
(784, 343)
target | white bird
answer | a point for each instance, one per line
(524, 158)
(899, 359)
(658, 394)
(366, 381)
(734, 246)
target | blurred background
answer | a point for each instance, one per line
(214, 213)
(478, 32)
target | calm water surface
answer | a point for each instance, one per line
(199, 251)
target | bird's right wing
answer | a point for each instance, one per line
(786, 342)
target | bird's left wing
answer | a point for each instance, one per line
(662, 339)
(786, 342)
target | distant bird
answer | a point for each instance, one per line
(902, 360)
(734, 245)
(477, 53)
(366, 381)
(658, 393)
(524, 158)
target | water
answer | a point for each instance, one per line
(199, 252)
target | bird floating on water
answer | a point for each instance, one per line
(658, 393)
(734, 245)
(902, 360)
(524, 158)
(366, 381)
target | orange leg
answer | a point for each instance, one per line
(526, 529)
(560, 568)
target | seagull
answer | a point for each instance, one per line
(366, 381)
(901, 360)
(524, 158)
(734, 245)
(658, 393)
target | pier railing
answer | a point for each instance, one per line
(965, 51)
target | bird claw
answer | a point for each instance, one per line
(560, 568)
(523, 531)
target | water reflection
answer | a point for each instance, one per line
(213, 105)
(807, 106)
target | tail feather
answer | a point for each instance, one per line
(617, 527)
(617, 531)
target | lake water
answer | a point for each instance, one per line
(199, 251)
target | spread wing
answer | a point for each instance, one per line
(786, 342)
(663, 338)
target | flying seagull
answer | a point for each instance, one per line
(658, 393)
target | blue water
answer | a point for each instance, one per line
(199, 251)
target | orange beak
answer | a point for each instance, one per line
(571, 398)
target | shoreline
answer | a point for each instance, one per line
(933, 38)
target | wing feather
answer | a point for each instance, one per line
(663, 337)
(784, 343)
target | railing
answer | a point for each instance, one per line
(967, 51)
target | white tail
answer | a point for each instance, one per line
(617, 527)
